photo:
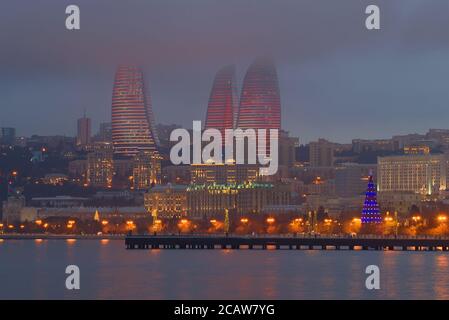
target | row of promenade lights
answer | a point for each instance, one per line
(157, 223)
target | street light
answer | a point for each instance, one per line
(244, 220)
(270, 220)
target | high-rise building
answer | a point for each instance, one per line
(84, 131)
(223, 101)
(100, 167)
(146, 169)
(424, 174)
(321, 153)
(287, 149)
(260, 102)
(133, 126)
(104, 132)
(8, 136)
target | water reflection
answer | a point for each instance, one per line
(111, 272)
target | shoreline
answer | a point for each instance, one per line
(62, 236)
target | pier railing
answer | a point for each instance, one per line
(300, 241)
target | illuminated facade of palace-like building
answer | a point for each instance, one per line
(166, 201)
(424, 174)
(260, 102)
(133, 126)
(222, 108)
(249, 198)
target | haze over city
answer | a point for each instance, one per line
(333, 73)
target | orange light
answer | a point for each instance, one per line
(213, 221)
(129, 222)
(388, 219)
(416, 218)
(244, 220)
(46, 225)
(69, 226)
(14, 173)
(442, 218)
(297, 220)
(71, 240)
(22, 226)
(327, 220)
(10, 226)
(157, 221)
(270, 220)
(184, 221)
(38, 222)
(356, 220)
(104, 222)
(1, 225)
(71, 222)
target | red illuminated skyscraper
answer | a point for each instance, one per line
(133, 127)
(260, 103)
(223, 101)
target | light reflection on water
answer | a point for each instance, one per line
(36, 270)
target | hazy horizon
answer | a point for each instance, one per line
(337, 80)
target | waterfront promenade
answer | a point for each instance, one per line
(299, 242)
(46, 236)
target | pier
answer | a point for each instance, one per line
(286, 242)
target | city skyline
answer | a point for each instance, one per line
(337, 78)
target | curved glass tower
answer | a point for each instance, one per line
(223, 101)
(133, 126)
(260, 102)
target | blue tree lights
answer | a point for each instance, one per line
(370, 211)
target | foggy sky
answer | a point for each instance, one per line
(337, 80)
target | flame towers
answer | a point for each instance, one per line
(133, 126)
(260, 103)
(223, 101)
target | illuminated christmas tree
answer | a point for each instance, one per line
(370, 211)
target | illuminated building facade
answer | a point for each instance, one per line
(260, 102)
(100, 167)
(416, 149)
(423, 174)
(133, 126)
(223, 101)
(169, 201)
(146, 170)
(241, 199)
(224, 173)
